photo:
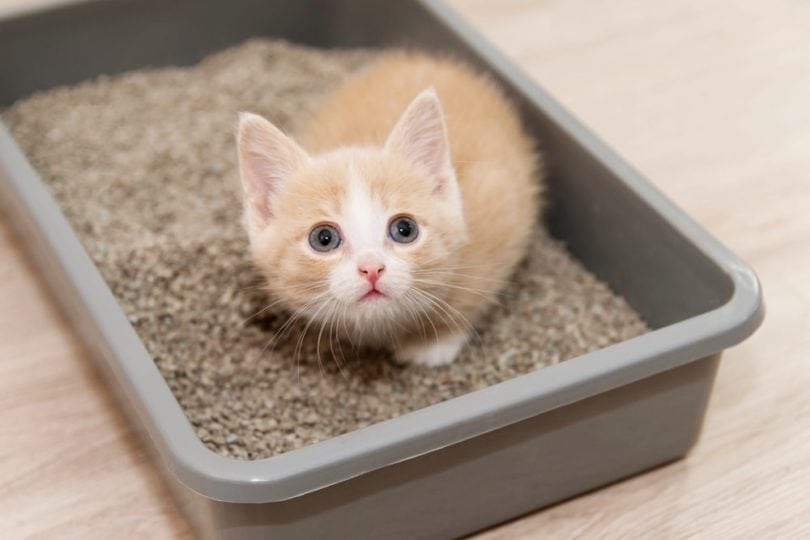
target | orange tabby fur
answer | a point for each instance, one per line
(463, 255)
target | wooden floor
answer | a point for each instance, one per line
(708, 98)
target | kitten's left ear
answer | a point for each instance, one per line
(420, 136)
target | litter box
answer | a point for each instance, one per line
(458, 466)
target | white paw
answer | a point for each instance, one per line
(433, 353)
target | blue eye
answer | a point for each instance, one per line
(403, 229)
(324, 238)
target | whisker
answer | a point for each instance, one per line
(279, 301)
(406, 303)
(331, 346)
(489, 296)
(318, 344)
(449, 310)
(481, 292)
(299, 345)
(427, 315)
(287, 326)
(449, 272)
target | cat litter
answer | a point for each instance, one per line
(143, 165)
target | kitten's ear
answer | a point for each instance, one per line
(267, 159)
(420, 136)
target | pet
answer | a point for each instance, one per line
(400, 209)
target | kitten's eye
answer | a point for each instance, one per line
(403, 230)
(324, 238)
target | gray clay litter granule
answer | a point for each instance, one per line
(143, 166)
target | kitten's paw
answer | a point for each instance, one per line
(434, 353)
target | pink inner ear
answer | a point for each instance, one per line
(267, 159)
(421, 137)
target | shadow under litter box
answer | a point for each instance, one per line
(143, 165)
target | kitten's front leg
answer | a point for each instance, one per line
(432, 353)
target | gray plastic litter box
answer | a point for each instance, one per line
(458, 466)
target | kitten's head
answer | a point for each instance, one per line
(363, 235)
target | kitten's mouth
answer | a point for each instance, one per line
(372, 294)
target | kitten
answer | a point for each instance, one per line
(401, 211)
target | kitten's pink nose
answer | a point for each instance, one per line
(371, 269)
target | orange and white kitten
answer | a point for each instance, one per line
(401, 210)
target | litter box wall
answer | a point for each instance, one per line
(489, 479)
(458, 466)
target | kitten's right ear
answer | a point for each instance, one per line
(267, 159)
